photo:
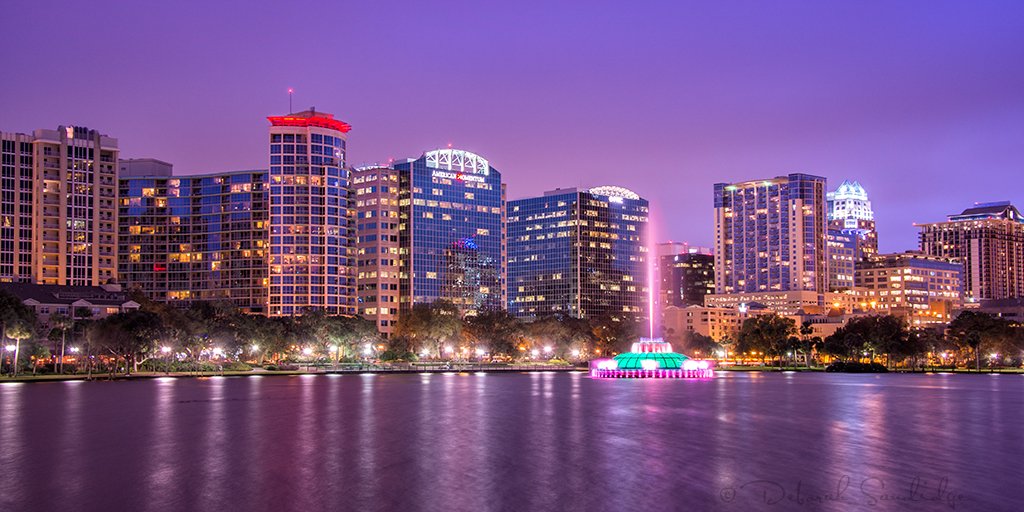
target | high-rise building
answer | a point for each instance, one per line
(451, 232)
(16, 207)
(988, 239)
(378, 251)
(310, 264)
(924, 289)
(272, 242)
(770, 236)
(65, 181)
(686, 274)
(195, 238)
(842, 259)
(581, 253)
(851, 232)
(75, 229)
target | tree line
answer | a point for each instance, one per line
(161, 336)
(972, 337)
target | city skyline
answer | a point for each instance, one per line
(805, 90)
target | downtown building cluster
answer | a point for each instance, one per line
(311, 232)
(788, 246)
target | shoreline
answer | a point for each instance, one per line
(406, 371)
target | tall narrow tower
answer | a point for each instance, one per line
(74, 235)
(310, 265)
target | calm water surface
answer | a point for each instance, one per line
(536, 441)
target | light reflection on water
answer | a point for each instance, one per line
(531, 441)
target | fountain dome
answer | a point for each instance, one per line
(651, 358)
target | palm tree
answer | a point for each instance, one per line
(806, 330)
(17, 332)
(62, 323)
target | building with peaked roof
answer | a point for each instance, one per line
(988, 239)
(851, 232)
(47, 300)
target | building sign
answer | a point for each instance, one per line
(458, 176)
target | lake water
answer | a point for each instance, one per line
(532, 441)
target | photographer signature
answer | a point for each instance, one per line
(870, 491)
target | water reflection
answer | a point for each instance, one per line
(530, 441)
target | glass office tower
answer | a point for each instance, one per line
(579, 252)
(451, 231)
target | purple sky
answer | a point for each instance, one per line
(923, 102)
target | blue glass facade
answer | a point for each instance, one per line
(192, 238)
(580, 253)
(451, 231)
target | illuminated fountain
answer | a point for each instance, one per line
(651, 358)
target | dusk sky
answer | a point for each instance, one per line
(922, 102)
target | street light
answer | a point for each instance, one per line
(367, 349)
(74, 350)
(534, 353)
(547, 349)
(167, 363)
(575, 352)
(307, 351)
(10, 348)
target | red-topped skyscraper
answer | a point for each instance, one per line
(310, 265)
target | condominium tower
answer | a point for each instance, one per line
(770, 235)
(201, 237)
(58, 218)
(272, 242)
(988, 239)
(310, 264)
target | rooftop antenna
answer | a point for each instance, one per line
(290, 91)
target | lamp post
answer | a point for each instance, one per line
(367, 352)
(10, 349)
(167, 362)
